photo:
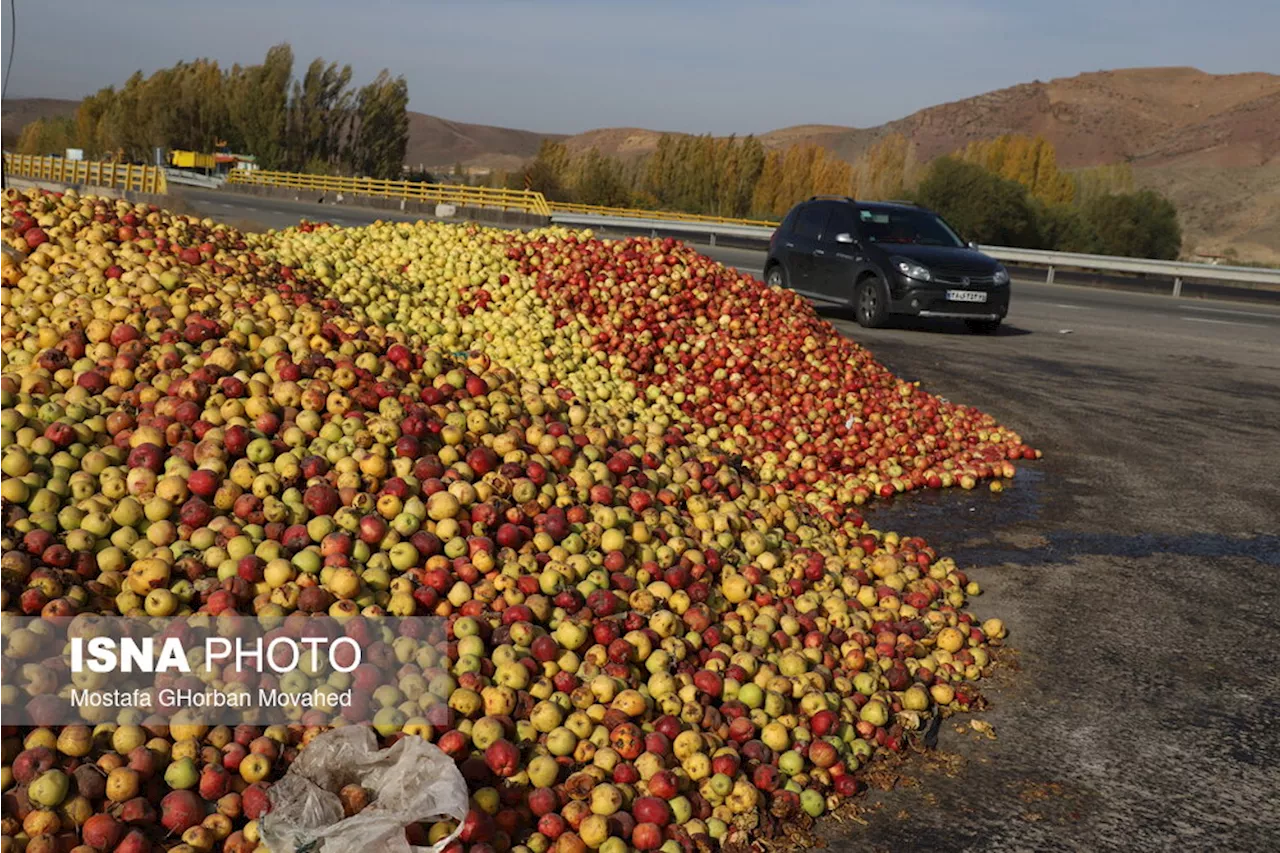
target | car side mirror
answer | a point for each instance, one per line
(845, 237)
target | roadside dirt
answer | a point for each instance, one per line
(1136, 567)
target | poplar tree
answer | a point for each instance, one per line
(764, 200)
(317, 123)
(258, 107)
(380, 128)
(880, 171)
(320, 117)
(47, 136)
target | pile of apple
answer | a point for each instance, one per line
(653, 330)
(759, 373)
(123, 787)
(457, 287)
(652, 645)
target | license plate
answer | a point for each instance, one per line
(967, 295)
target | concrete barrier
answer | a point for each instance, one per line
(89, 189)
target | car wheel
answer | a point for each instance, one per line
(871, 306)
(776, 276)
(983, 327)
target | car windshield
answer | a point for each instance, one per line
(903, 225)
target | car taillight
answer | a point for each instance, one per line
(773, 238)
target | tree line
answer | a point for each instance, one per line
(1094, 211)
(319, 123)
(1006, 191)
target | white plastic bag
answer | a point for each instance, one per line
(412, 781)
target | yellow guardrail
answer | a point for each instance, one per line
(637, 213)
(463, 196)
(58, 170)
(526, 200)
(529, 201)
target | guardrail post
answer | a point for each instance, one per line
(1048, 279)
(1177, 285)
(713, 238)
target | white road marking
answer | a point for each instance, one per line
(1221, 322)
(1073, 307)
(1219, 310)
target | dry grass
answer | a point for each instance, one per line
(1224, 209)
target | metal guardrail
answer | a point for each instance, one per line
(194, 179)
(120, 176)
(560, 207)
(529, 201)
(1177, 271)
(648, 223)
(462, 196)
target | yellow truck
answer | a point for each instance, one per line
(192, 160)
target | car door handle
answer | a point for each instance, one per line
(819, 251)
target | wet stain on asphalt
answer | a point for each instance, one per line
(949, 517)
(951, 513)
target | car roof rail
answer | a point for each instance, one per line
(901, 201)
(830, 198)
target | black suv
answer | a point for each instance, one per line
(886, 258)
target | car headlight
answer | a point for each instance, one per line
(1001, 276)
(911, 269)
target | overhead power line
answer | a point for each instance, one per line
(8, 72)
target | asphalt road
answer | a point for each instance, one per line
(1074, 309)
(1036, 306)
(258, 212)
(1136, 567)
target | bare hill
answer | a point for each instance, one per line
(18, 112)
(438, 142)
(622, 142)
(1152, 116)
(1210, 142)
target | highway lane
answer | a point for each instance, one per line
(1135, 567)
(1080, 309)
(260, 212)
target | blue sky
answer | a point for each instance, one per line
(696, 65)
